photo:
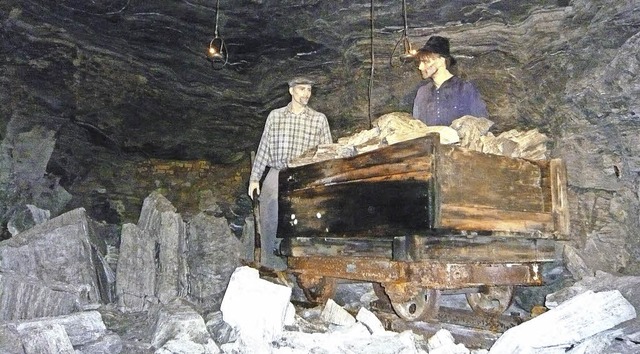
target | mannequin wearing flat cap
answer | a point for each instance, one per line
(288, 132)
(444, 97)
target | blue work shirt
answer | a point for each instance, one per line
(453, 99)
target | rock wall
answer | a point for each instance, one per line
(114, 83)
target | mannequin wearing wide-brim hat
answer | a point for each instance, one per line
(444, 97)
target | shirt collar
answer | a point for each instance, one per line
(452, 80)
(304, 111)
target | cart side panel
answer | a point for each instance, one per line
(478, 191)
(376, 194)
(357, 209)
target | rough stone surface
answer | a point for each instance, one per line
(10, 341)
(26, 218)
(135, 274)
(562, 327)
(79, 332)
(48, 270)
(212, 256)
(628, 286)
(110, 343)
(162, 258)
(23, 177)
(47, 338)
(160, 273)
(221, 331)
(80, 327)
(575, 264)
(179, 325)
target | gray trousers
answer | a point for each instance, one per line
(269, 222)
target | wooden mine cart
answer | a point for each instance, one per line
(417, 218)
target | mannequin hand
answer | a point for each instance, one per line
(254, 186)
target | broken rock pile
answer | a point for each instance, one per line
(468, 132)
(178, 288)
(265, 321)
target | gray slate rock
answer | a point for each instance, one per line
(180, 329)
(151, 265)
(81, 332)
(221, 331)
(49, 269)
(26, 217)
(212, 256)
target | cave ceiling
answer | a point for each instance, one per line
(132, 76)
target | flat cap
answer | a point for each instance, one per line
(301, 80)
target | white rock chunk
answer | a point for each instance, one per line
(290, 315)
(186, 346)
(335, 314)
(255, 307)
(347, 340)
(566, 325)
(370, 320)
(443, 343)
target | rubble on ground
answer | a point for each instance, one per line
(55, 286)
(574, 323)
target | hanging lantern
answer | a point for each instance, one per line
(217, 52)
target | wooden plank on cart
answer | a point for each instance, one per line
(412, 156)
(357, 209)
(337, 247)
(479, 191)
(374, 194)
(484, 249)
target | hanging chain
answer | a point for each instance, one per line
(217, 12)
(404, 11)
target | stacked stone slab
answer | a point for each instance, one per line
(163, 258)
(49, 270)
(213, 255)
(80, 332)
(151, 267)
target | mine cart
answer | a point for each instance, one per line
(417, 218)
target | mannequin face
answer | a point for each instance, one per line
(300, 94)
(430, 64)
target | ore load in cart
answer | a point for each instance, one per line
(417, 218)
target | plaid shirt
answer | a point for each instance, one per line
(286, 136)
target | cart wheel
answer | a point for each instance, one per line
(317, 289)
(423, 306)
(491, 300)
